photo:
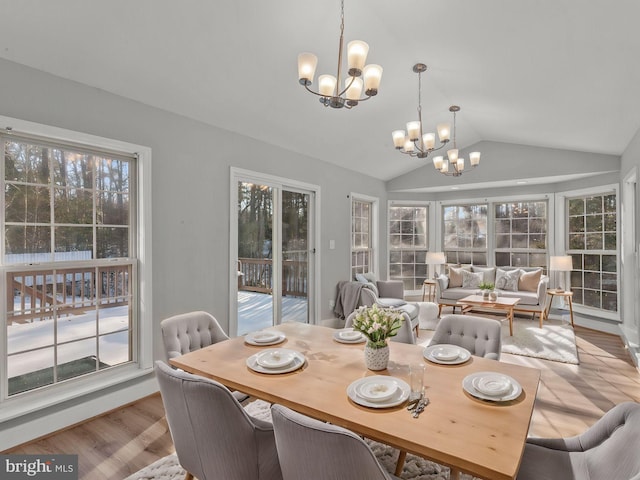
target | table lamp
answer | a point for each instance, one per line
(562, 263)
(435, 258)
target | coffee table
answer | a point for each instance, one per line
(474, 302)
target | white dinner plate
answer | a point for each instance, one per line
(263, 338)
(512, 393)
(378, 390)
(348, 335)
(400, 395)
(296, 363)
(430, 354)
(275, 358)
(495, 385)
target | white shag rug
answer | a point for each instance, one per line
(555, 341)
(415, 468)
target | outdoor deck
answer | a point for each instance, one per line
(255, 310)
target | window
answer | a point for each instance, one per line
(465, 233)
(408, 245)
(362, 235)
(74, 265)
(592, 241)
(521, 234)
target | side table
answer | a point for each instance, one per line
(552, 292)
(431, 285)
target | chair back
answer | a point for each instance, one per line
(191, 331)
(404, 335)
(310, 449)
(213, 436)
(481, 336)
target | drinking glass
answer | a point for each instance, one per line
(416, 375)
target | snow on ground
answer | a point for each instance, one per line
(113, 347)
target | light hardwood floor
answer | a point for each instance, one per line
(570, 399)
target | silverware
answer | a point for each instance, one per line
(419, 408)
(413, 403)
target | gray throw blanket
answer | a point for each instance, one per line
(347, 298)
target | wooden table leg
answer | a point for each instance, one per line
(454, 473)
(401, 458)
(510, 312)
(571, 308)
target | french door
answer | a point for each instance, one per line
(273, 252)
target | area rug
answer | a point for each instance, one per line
(415, 468)
(555, 341)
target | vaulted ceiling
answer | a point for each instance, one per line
(552, 73)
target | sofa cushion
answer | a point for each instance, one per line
(529, 281)
(489, 273)
(526, 298)
(370, 276)
(455, 276)
(471, 280)
(507, 280)
(456, 293)
(391, 302)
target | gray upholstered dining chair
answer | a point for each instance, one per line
(313, 450)
(404, 335)
(609, 449)
(481, 336)
(191, 331)
(214, 438)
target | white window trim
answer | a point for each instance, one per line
(29, 402)
(561, 246)
(375, 219)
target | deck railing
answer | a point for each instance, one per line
(36, 294)
(256, 275)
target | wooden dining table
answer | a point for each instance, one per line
(456, 429)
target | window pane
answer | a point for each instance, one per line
(30, 370)
(576, 206)
(112, 242)
(112, 208)
(23, 241)
(74, 239)
(114, 349)
(72, 169)
(26, 163)
(27, 204)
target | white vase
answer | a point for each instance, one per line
(376, 358)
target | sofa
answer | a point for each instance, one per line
(529, 284)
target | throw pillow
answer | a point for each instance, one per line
(370, 276)
(361, 278)
(528, 281)
(455, 277)
(471, 280)
(507, 280)
(372, 286)
(489, 273)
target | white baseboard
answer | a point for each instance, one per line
(32, 426)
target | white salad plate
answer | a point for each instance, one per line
(297, 360)
(492, 386)
(264, 338)
(348, 335)
(275, 358)
(446, 354)
(379, 390)
(364, 386)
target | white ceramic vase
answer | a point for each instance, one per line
(376, 358)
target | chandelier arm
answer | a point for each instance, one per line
(346, 87)
(311, 91)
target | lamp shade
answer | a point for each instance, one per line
(435, 258)
(562, 263)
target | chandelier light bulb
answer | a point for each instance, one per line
(398, 138)
(445, 166)
(413, 130)
(353, 88)
(437, 162)
(474, 159)
(429, 141)
(444, 132)
(372, 77)
(452, 155)
(357, 51)
(307, 63)
(408, 146)
(460, 164)
(327, 85)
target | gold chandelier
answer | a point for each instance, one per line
(416, 143)
(329, 87)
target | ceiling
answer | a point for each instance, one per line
(551, 73)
